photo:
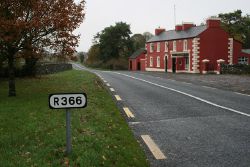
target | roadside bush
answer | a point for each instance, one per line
(235, 69)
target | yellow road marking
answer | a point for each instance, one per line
(112, 89)
(118, 98)
(128, 112)
(153, 147)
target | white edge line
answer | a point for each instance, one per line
(192, 96)
(241, 94)
(208, 87)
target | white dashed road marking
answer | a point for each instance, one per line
(153, 147)
(112, 89)
(107, 84)
(128, 112)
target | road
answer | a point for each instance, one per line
(182, 124)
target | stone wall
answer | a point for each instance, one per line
(43, 69)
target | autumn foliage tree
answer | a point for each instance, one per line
(28, 27)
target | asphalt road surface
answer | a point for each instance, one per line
(181, 124)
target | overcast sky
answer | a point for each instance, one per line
(146, 15)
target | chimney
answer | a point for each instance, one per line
(213, 22)
(159, 30)
(187, 25)
(178, 27)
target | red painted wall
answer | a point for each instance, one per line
(237, 47)
(214, 46)
(143, 65)
(155, 54)
(135, 62)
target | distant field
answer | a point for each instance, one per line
(34, 135)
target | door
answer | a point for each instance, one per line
(174, 65)
(138, 66)
(166, 64)
(130, 65)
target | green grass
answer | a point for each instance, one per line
(31, 134)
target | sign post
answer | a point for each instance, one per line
(68, 133)
(67, 101)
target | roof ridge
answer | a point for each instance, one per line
(173, 34)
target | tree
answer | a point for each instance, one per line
(81, 56)
(94, 55)
(138, 41)
(237, 26)
(114, 42)
(37, 25)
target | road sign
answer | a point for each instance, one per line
(67, 100)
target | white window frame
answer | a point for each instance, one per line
(166, 46)
(158, 46)
(151, 47)
(158, 61)
(185, 43)
(243, 60)
(151, 61)
(174, 46)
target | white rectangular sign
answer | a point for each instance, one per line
(67, 100)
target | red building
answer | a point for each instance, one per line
(137, 60)
(245, 57)
(191, 49)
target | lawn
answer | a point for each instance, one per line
(31, 134)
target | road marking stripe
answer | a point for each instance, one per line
(187, 83)
(189, 95)
(171, 80)
(153, 147)
(241, 94)
(112, 89)
(107, 84)
(104, 81)
(208, 87)
(118, 98)
(128, 112)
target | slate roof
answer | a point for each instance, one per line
(246, 51)
(173, 35)
(137, 53)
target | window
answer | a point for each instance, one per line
(185, 45)
(151, 47)
(166, 46)
(151, 62)
(158, 46)
(158, 61)
(174, 46)
(243, 60)
(186, 63)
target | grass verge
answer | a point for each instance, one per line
(34, 135)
